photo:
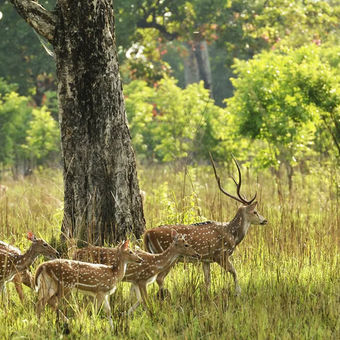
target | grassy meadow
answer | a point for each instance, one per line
(289, 270)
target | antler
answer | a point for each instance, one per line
(240, 198)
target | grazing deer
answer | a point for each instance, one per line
(13, 263)
(144, 274)
(214, 241)
(55, 279)
(24, 277)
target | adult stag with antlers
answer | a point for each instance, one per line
(214, 241)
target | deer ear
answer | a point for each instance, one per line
(125, 245)
(31, 236)
(251, 207)
(174, 234)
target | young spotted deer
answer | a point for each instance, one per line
(24, 277)
(14, 264)
(214, 241)
(56, 279)
(140, 276)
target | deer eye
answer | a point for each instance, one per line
(130, 252)
(45, 244)
(255, 212)
(186, 245)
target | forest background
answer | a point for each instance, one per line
(256, 79)
(259, 79)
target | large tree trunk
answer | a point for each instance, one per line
(101, 194)
(197, 64)
(191, 72)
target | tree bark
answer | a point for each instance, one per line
(191, 72)
(102, 201)
(197, 64)
(202, 58)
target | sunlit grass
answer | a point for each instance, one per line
(289, 270)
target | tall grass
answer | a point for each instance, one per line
(288, 270)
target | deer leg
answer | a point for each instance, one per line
(27, 279)
(139, 298)
(98, 301)
(18, 286)
(143, 289)
(107, 309)
(163, 292)
(225, 263)
(206, 271)
(144, 293)
(4, 296)
(40, 306)
(54, 303)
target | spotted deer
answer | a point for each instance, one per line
(24, 277)
(13, 263)
(140, 276)
(56, 279)
(214, 241)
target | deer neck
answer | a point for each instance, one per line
(25, 260)
(169, 256)
(238, 227)
(120, 269)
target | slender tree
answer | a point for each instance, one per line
(102, 201)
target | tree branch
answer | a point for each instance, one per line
(153, 24)
(42, 20)
(144, 23)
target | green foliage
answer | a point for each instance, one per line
(14, 116)
(26, 133)
(234, 28)
(138, 99)
(295, 23)
(42, 135)
(170, 123)
(22, 57)
(284, 99)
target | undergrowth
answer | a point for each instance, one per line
(288, 270)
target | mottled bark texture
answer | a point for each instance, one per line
(197, 64)
(101, 194)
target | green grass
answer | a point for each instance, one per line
(289, 270)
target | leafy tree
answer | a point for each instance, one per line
(139, 109)
(284, 99)
(14, 116)
(42, 135)
(23, 60)
(169, 123)
(235, 28)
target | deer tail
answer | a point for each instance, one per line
(148, 243)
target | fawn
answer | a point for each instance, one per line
(141, 275)
(14, 264)
(57, 278)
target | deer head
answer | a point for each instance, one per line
(40, 246)
(182, 247)
(128, 255)
(248, 206)
(252, 215)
